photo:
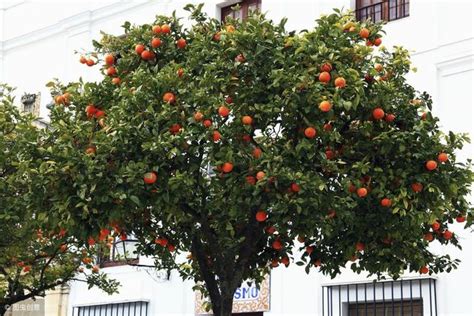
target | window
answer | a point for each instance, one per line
(121, 252)
(138, 308)
(378, 10)
(414, 297)
(407, 307)
(246, 6)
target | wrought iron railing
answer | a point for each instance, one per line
(138, 308)
(387, 10)
(414, 297)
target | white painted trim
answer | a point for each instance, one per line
(77, 22)
(407, 278)
(97, 303)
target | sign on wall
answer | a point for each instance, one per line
(246, 299)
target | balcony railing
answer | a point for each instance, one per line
(386, 10)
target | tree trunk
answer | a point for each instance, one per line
(3, 309)
(222, 305)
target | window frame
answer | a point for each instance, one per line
(382, 8)
(244, 8)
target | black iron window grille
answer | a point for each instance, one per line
(138, 308)
(121, 252)
(414, 297)
(382, 10)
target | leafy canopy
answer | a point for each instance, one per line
(37, 254)
(243, 143)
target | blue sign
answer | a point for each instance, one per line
(244, 292)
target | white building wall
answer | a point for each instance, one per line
(37, 43)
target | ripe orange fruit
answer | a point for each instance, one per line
(460, 219)
(424, 270)
(431, 165)
(378, 114)
(181, 43)
(155, 42)
(360, 246)
(386, 202)
(165, 29)
(149, 177)
(90, 241)
(99, 113)
(324, 77)
(329, 154)
(389, 117)
(63, 247)
(277, 245)
(447, 235)
(250, 180)
(377, 41)
(139, 48)
(230, 28)
(270, 230)
(340, 82)
(83, 60)
(216, 136)
(257, 152)
(59, 99)
(362, 192)
(90, 62)
(216, 37)
(443, 157)
(260, 175)
(109, 59)
(295, 187)
(247, 120)
(198, 116)
(162, 241)
(95, 269)
(207, 123)
(227, 167)
(428, 237)
(116, 81)
(326, 67)
(223, 111)
(325, 106)
(352, 188)
(261, 216)
(378, 67)
(327, 127)
(169, 97)
(246, 138)
(171, 247)
(417, 187)
(175, 128)
(111, 71)
(91, 150)
(285, 260)
(156, 29)
(436, 225)
(147, 55)
(180, 72)
(364, 33)
(310, 132)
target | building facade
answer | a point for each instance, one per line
(37, 43)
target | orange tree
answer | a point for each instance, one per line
(239, 143)
(36, 252)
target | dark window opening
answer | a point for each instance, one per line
(398, 308)
(246, 7)
(382, 10)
